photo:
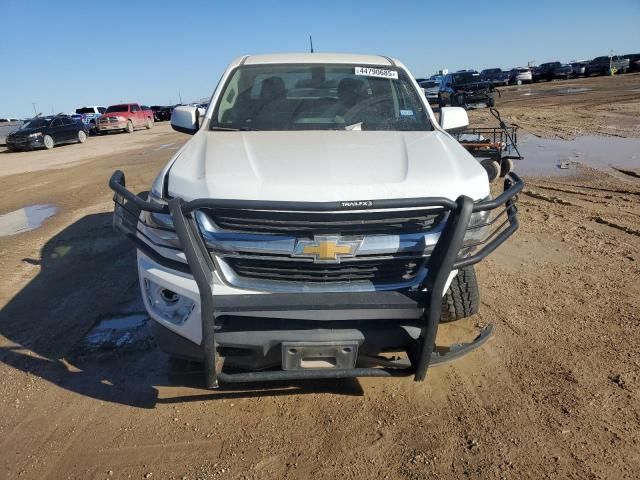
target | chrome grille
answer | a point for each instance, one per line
(108, 119)
(387, 270)
(307, 224)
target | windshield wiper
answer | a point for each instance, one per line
(232, 129)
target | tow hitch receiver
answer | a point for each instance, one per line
(306, 355)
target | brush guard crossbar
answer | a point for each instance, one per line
(449, 253)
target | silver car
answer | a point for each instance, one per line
(430, 88)
(520, 75)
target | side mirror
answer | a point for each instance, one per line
(185, 119)
(453, 119)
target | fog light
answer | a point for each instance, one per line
(167, 304)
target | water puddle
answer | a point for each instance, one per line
(25, 219)
(550, 157)
(122, 333)
(576, 90)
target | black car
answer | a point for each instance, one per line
(495, 76)
(465, 88)
(634, 61)
(47, 132)
(552, 70)
(161, 113)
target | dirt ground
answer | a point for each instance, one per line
(555, 393)
(567, 109)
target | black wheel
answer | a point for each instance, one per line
(506, 165)
(492, 168)
(463, 297)
(441, 102)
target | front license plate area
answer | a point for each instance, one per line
(318, 355)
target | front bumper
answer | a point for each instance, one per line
(470, 98)
(104, 127)
(25, 143)
(224, 319)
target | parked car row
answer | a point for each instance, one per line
(49, 131)
(561, 71)
(466, 87)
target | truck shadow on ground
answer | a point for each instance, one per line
(87, 273)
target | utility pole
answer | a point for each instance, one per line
(34, 108)
(610, 64)
(180, 95)
(311, 43)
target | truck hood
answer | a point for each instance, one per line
(324, 166)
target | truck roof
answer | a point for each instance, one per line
(349, 58)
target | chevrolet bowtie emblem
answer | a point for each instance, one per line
(326, 248)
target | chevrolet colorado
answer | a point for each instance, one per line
(320, 218)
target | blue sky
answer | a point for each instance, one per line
(63, 54)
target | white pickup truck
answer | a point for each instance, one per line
(320, 218)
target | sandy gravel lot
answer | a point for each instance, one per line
(554, 394)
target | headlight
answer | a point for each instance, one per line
(478, 227)
(35, 135)
(158, 227)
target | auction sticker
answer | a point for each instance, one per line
(376, 72)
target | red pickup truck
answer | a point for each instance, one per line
(125, 117)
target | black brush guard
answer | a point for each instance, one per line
(444, 258)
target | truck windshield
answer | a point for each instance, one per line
(84, 110)
(319, 97)
(117, 108)
(465, 77)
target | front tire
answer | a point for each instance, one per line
(463, 297)
(48, 142)
(82, 136)
(506, 165)
(129, 127)
(492, 168)
(148, 124)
